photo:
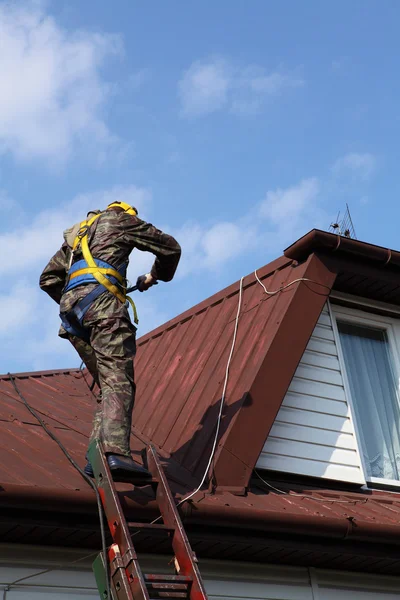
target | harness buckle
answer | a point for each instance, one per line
(82, 231)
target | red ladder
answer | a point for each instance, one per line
(127, 582)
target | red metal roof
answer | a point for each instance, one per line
(180, 369)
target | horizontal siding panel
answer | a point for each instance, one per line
(316, 388)
(325, 319)
(358, 582)
(324, 333)
(324, 346)
(315, 419)
(319, 374)
(312, 451)
(315, 468)
(313, 403)
(249, 590)
(346, 594)
(310, 435)
(317, 359)
(313, 433)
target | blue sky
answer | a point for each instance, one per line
(236, 126)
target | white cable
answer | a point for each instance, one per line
(222, 398)
(285, 286)
(305, 497)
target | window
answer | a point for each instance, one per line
(370, 357)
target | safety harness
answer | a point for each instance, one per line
(92, 270)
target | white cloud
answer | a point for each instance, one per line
(210, 248)
(290, 212)
(284, 215)
(223, 242)
(208, 86)
(359, 166)
(34, 244)
(285, 205)
(204, 87)
(52, 93)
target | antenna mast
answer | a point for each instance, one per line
(344, 226)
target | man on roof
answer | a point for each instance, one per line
(87, 278)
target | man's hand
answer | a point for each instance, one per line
(144, 282)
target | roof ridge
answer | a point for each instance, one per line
(27, 374)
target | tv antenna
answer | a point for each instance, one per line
(344, 226)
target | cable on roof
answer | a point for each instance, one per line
(89, 385)
(77, 467)
(221, 406)
(306, 497)
(284, 287)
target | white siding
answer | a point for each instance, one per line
(313, 433)
(223, 580)
(332, 585)
(76, 584)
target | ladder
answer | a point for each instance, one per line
(127, 582)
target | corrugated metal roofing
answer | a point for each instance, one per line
(27, 455)
(180, 368)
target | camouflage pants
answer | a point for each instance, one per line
(109, 359)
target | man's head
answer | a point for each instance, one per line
(123, 207)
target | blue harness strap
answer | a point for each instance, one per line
(72, 321)
(81, 265)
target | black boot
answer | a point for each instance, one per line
(125, 465)
(122, 466)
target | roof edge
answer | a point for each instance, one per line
(209, 514)
(318, 240)
(41, 373)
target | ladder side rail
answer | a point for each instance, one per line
(119, 585)
(180, 542)
(116, 521)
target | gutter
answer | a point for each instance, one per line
(304, 525)
(69, 501)
(205, 513)
(317, 240)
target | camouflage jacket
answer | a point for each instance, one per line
(112, 237)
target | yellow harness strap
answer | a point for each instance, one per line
(133, 305)
(98, 269)
(100, 273)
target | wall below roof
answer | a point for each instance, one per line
(313, 433)
(224, 580)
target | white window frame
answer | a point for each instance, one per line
(392, 328)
